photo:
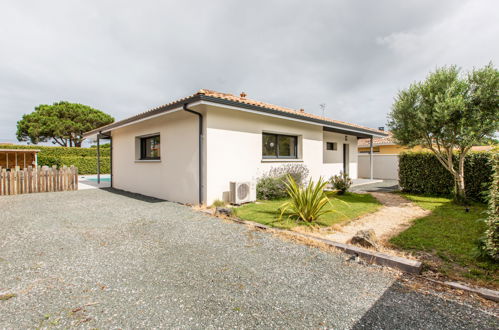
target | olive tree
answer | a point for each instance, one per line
(448, 113)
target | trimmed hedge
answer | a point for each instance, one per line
(422, 173)
(492, 233)
(83, 158)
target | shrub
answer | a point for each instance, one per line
(492, 233)
(272, 185)
(218, 203)
(299, 172)
(341, 182)
(422, 173)
(270, 188)
(48, 160)
(307, 203)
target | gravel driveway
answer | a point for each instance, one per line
(104, 259)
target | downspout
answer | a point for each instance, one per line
(111, 158)
(98, 158)
(200, 147)
(371, 157)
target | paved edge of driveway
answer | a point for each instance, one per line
(378, 258)
(382, 259)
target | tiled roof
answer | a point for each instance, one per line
(242, 99)
(390, 140)
(378, 141)
(245, 100)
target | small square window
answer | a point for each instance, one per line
(149, 148)
(331, 146)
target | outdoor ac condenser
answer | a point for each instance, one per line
(240, 192)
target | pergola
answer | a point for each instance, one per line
(10, 158)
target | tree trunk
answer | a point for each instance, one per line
(460, 196)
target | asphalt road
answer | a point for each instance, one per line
(105, 259)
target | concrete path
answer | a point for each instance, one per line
(396, 214)
(107, 259)
(89, 182)
(378, 186)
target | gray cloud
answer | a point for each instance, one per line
(125, 57)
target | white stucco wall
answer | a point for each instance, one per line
(175, 176)
(385, 166)
(234, 148)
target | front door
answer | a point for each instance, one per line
(346, 158)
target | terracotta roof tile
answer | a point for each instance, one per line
(378, 141)
(245, 100)
(238, 99)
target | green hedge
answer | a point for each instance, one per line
(492, 233)
(83, 158)
(422, 173)
(61, 151)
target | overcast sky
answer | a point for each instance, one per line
(124, 57)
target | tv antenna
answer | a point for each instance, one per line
(323, 108)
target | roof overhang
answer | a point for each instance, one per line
(210, 100)
(20, 150)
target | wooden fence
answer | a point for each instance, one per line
(33, 180)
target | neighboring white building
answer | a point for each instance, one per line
(157, 153)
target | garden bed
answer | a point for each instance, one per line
(346, 207)
(446, 239)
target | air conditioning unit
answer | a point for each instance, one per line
(241, 192)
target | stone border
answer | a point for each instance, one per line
(383, 259)
(482, 292)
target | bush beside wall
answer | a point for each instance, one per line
(422, 173)
(83, 158)
(492, 233)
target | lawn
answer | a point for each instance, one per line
(446, 238)
(346, 207)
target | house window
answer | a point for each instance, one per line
(149, 148)
(279, 146)
(331, 146)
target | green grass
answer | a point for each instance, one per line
(347, 207)
(446, 239)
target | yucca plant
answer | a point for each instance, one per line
(307, 203)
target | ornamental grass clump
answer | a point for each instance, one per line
(341, 182)
(307, 203)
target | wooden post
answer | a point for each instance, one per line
(54, 178)
(76, 178)
(30, 179)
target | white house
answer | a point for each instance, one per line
(190, 150)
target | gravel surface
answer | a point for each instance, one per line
(396, 215)
(104, 259)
